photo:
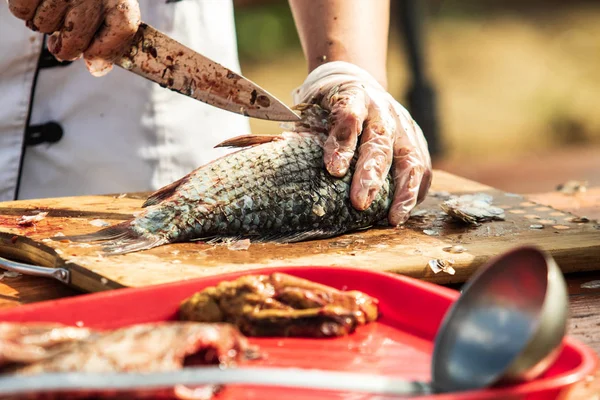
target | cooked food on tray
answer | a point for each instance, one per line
(281, 305)
(37, 348)
(32, 342)
(213, 330)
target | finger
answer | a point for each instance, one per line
(23, 9)
(81, 23)
(374, 158)
(348, 112)
(120, 26)
(410, 170)
(424, 155)
(49, 16)
(407, 181)
(425, 185)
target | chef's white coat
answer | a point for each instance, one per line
(120, 133)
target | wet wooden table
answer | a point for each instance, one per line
(584, 288)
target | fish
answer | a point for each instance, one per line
(272, 188)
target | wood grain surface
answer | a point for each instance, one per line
(408, 250)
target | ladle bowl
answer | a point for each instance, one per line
(507, 325)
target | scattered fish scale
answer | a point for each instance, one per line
(472, 208)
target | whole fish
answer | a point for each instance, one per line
(275, 188)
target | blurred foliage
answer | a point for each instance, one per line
(265, 31)
(512, 76)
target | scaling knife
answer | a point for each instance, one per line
(163, 60)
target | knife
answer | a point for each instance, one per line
(161, 59)
(312, 379)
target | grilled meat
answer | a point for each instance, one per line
(281, 305)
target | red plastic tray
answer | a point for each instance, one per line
(400, 343)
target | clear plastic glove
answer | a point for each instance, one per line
(98, 30)
(366, 117)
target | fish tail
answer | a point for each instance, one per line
(119, 239)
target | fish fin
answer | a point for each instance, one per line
(293, 237)
(212, 240)
(163, 193)
(288, 237)
(248, 140)
(117, 239)
(132, 243)
(110, 233)
(215, 239)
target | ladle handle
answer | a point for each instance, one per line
(197, 376)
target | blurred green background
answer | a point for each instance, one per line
(514, 79)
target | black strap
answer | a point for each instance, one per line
(27, 121)
(50, 132)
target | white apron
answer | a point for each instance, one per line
(120, 133)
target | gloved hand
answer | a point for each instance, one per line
(363, 111)
(96, 29)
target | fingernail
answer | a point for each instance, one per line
(98, 68)
(365, 197)
(31, 25)
(399, 215)
(54, 44)
(338, 166)
(401, 218)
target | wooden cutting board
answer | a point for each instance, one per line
(575, 245)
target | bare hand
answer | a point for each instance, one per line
(389, 138)
(98, 30)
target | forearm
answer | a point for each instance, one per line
(355, 31)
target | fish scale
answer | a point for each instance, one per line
(271, 189)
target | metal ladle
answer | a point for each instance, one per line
(507, 326)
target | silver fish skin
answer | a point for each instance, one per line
(275, 188)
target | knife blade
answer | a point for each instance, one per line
(161, 59)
